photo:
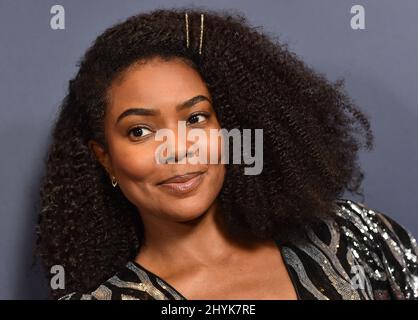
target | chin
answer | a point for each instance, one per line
(188, 210)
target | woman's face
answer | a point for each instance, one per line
(158, 90)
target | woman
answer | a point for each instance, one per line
(125, 226)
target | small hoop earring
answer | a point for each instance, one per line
(114, 182)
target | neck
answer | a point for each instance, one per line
(202, 242)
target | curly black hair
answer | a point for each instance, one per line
(312, 134)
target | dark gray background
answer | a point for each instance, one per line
(379, 65)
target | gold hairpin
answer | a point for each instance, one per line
(201, 31)
(187, 29)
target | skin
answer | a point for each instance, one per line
(186, 242)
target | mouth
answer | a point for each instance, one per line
(181, 184)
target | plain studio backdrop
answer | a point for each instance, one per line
(379, 64)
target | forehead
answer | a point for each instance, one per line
(156, 83)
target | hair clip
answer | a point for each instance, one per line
(201, 31)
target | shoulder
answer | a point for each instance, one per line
(356, 253)
(379, 243)
(129, 283)
(377, 228)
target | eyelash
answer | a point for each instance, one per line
(205, 114)
(138, 127)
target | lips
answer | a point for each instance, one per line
(181, 178)
(182, 184)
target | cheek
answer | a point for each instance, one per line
(134, 162)
(213, 144)
(214, 148)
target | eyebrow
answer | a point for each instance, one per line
(152, 112)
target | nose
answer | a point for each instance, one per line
(177, 157)
(179, 153)
(177, 144)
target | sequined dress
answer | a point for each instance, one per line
(359, 254)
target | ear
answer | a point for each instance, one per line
(101, 155)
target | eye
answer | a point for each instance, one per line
(139, 132)
(196, 118)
